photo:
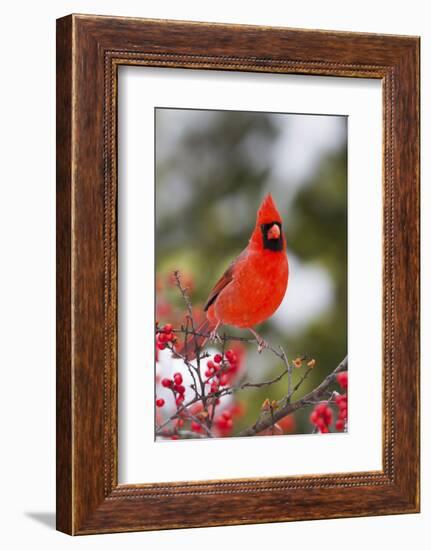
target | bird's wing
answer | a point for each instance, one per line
(224, 280)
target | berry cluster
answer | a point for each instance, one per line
(176, 385)
(341, 402)
(321, 417)
(164, 335)
(221, 369)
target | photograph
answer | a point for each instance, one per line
(251, 274)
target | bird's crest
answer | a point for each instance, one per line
(268, 212)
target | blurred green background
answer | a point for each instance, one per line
(212, 170)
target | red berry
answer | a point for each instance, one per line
(238, 409)
(195, 427)
(327, 415)
(342, 379)
(179, 400)
(160, 402)
(342, 414)
(218, 358)
(224, 424)
(210, 365)
(321, 417)
(320, 422)
(230, 356)
(178, 378)
(313, 417)
(180, 389)
(223, 380)
(339, 425)
(167, 328)
(160, 345)
(221, 422)
(174, 437)
(166, 382)
(321, 408)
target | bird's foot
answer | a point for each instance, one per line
(261, 343)
(214, 335)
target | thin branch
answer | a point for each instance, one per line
(231, 338)
(184, 295)
(299, 384)
(234, 389)
(265, 421)
(191, 368)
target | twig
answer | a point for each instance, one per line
(191, 368)
(289, 372)
(184, 295)
(190, 320)
(299, 384)
(233, 389)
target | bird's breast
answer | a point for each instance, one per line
(257, 289)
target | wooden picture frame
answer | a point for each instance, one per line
(89, 51)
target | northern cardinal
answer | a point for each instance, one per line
(253, 286)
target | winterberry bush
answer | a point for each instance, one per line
(204, 397)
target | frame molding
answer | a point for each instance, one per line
(89, 51)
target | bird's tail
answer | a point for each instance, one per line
(195, 342)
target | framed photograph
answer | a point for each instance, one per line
(237, 274)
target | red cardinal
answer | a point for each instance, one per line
(253, 286)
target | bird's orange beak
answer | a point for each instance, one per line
(273, 232)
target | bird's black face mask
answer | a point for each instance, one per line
(272, 237)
